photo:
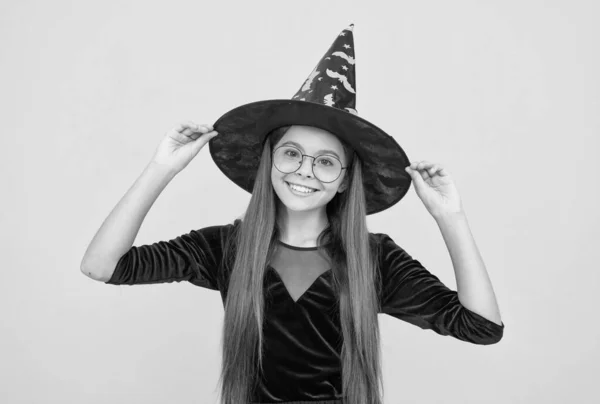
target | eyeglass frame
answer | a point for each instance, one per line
(312, 165)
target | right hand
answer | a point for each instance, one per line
(181, 144)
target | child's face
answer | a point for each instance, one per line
(310, 140)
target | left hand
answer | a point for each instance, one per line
(435, 187)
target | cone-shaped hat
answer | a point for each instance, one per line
(326, 100)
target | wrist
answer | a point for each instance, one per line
(450, 216)
(161, 169)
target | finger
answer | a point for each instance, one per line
(417, 177)
(202, 142)
(421, 165)
(185, 127)
(193, 125)
(416, 165)
(424, 164)
(204, 128)
(442, 172)
(414, 172)
(194, 130)
(189, 124)
(180, 127)
(209, 134)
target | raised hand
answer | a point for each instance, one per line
(435, 188)
(181, 144)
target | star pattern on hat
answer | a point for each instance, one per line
(327, 100)
(336, 67)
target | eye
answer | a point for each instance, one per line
(294, 153)
(325, 161)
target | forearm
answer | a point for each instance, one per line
(119, 229)
(474, 287)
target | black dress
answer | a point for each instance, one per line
(302, 348)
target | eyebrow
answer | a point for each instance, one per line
(318, 151)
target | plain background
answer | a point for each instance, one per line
(504, 95)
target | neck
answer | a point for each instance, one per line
(301, 229)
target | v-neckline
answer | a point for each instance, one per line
(308, 289)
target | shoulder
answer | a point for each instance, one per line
(223, 231)
(386, 249)
(214, 238)
(381, 241)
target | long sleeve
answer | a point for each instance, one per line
(195, 257)
(413, 294)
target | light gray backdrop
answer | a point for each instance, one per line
(503, 94)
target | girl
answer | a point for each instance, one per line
(301, 278)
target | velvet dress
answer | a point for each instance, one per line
(302, 332)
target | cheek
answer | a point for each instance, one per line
(278, 184)
(276, 179)
(330, 192)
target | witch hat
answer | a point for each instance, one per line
(326, 100)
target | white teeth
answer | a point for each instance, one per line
(301, 189)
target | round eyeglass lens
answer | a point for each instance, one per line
(288, 159)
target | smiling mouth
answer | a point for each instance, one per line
(312, 189)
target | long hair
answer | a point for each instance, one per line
(355, 281)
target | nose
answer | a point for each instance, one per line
(306, 167)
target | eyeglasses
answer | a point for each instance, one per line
(288, 159)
